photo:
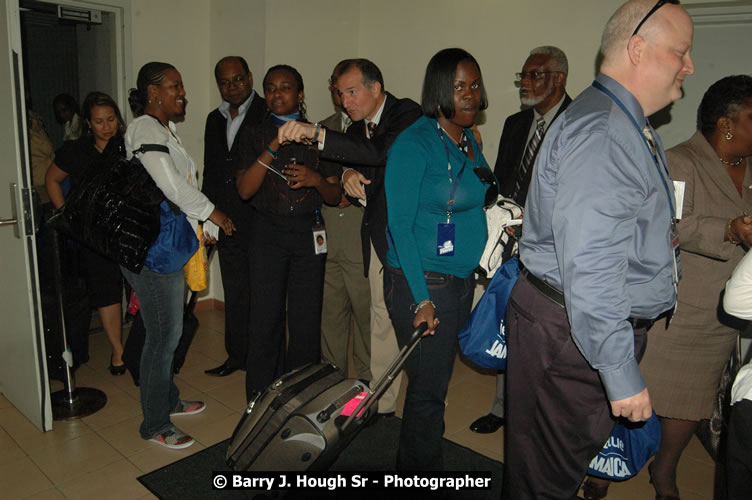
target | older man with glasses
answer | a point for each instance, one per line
(542, 85)
(599, 253)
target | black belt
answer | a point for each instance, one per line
(638, 323)
(552, 293)
(647, 324)
(543, 287)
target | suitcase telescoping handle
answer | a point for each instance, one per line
(386, 380)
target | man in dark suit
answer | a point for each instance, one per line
(241, 108)
(542, 85)
(378, 118)
(347, 294)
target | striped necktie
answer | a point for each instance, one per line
(651, 140)
(370, 129)
(530, 152)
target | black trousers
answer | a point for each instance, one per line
(285, 271)
(429, 367)
(557, 411)
(234, 266)
(739, 451)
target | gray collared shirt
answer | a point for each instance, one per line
(233, 124)
(598, 227)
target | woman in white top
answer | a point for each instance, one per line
(158, 99)
(738, 301)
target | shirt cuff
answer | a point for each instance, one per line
(323, 139)
(342, 177)
(623, 382)
(211, 229)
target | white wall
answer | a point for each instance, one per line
(398, 35)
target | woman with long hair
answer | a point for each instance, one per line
(77, 159)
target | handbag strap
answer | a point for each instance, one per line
(159, 148)
(145, 148)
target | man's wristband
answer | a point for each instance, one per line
(316, 130)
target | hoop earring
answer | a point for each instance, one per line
(729, 135)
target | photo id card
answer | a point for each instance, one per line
(445, 240)
(319, 241)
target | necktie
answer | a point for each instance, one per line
(370, 129)
(530, 152)
(651, 141)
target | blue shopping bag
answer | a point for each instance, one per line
(627, 450)
(482, 339)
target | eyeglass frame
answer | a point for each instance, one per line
(529, 76)
(657, 6)
(238, 80)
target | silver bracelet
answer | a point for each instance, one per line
(262, 163)
(423, 304)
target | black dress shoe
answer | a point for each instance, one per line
(222, 370)
(487, 424)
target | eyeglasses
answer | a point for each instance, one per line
(652, 11)
(487, 177)
(239, 80)
(532, 76)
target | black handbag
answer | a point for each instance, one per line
(114, 210)
(712, 432)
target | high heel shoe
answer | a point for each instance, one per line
(658, 496)
(116, 370)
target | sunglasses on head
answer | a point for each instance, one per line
(657, 6)
(487, 177)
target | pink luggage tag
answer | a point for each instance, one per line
(352, 404)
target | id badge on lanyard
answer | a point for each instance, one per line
(445, 234)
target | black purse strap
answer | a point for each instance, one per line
(159, 148)
(145, 148)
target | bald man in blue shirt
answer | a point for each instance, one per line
(598, 250)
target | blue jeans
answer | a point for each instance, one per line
(429, 367)
(161, 298)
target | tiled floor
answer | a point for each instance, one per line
(100, 456)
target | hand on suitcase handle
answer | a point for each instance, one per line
(425, 314)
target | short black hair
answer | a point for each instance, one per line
(66, 100)
(438, 84)
(371, 73)
(225, 59)
(298, 81)
(724, 98)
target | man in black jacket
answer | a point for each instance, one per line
(378, 118)
(542, 85)
(241, 108)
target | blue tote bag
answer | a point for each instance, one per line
(627, 450)
(482, 339)
(176, 242)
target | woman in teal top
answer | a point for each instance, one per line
(437, 226)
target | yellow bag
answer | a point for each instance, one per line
(196, 269)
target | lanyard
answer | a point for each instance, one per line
(452, 182)
(621, 105)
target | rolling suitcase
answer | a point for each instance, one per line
(306, 417)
